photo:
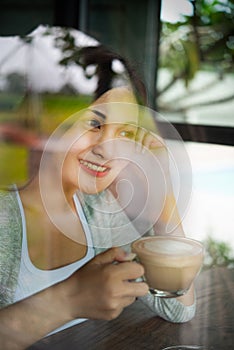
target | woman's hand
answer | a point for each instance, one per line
(99, 290)
(102, 289)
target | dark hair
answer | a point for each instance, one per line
(103, 58)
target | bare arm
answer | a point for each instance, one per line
(169, 222)
(99, 290)
(27, 321)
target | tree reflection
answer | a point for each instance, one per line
(218, 253)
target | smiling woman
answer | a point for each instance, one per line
(98, 143)
(69, 217)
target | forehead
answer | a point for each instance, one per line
(116, 112)
(119, 105)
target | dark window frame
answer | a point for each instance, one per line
(222, 135)
(69, 13)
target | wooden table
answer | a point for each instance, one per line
(138, 328)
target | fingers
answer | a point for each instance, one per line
(129, 270)
(111, 284)
(153, 142)
(111, 255)
(128, 257)
(115, 305)
(136, 289)
(124, 268)
(119, 278)
(148, 140)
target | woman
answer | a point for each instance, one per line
(53, 275)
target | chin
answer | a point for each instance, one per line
(87, 189)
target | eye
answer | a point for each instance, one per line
(94, 124)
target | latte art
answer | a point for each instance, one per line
(171, 263)
(171, 247)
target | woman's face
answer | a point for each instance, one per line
(101, 143)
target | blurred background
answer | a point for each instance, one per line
(51, 66)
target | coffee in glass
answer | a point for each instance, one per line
(171, 263)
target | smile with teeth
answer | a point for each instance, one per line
(94, 167)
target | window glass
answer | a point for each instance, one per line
(195, 86)
(209, 217)
(45, 77)
(195, 79)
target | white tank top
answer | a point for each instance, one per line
(32, 280)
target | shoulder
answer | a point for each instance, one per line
(9, 208)
(10, 247)
(10, 218)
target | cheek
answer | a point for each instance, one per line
(69, 168)
(82, 144)
(77, 150)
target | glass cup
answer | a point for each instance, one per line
(171, 263)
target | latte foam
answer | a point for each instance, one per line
(170, 247)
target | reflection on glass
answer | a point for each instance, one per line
(196, 79)
(45, 77)
(210, 215)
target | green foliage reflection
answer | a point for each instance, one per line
(218, 253)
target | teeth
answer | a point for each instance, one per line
(93, 166)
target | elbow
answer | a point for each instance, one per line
(180, 314)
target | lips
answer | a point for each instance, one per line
(94, 169)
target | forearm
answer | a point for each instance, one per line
(99, 290)
(169, 221)
(27, 321)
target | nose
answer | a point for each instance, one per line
(97, 152)
(110, 145)
(105, 148)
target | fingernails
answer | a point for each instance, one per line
(129, 256)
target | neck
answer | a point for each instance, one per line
(54, 233)
(30, 195)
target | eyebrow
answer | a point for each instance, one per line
(104, 117)
(98, 113)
